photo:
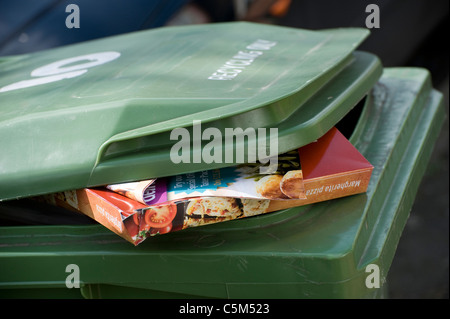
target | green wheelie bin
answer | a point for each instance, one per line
(105, 116)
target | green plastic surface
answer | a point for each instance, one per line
(109, 118)
(315, 251)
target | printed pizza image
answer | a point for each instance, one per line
(285, 183)
(269, 187)
(209, 210)
(252, 207)
(292, 184)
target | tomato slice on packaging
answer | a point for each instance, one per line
(131, 226)
(160, 216)
(136, 218)
(162, 230)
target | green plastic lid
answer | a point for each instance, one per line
(102, 111)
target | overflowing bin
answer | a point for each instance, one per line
(105, 116)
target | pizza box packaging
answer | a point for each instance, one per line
(331, 167)
(281, 180)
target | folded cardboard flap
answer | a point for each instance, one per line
(332, 168)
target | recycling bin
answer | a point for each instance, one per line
(341, 248)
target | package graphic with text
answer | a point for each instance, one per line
(241, 181)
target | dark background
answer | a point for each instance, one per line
(411, 33)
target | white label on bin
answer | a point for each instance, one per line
(241, 60)
(63, 69)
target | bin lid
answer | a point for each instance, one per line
(103, 111)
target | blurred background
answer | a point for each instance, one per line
(410, 33)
